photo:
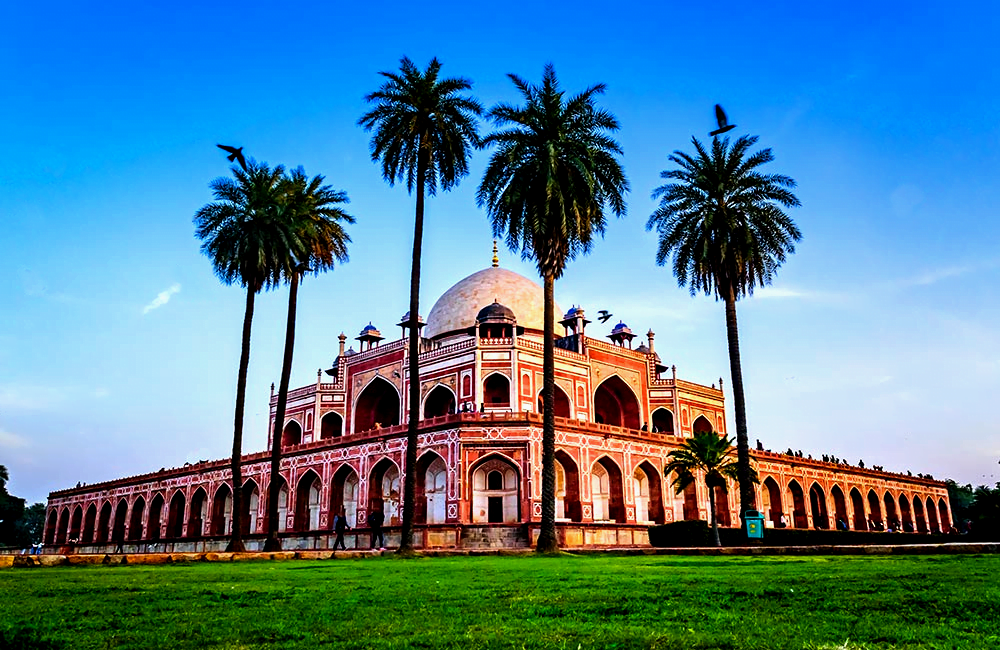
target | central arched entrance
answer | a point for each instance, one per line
(377, 406)
(431, 490)
(616, 404)
(648, 494)
(383, 491)
(496, 492)
(344, 495)
(606, 491)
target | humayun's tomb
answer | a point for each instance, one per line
(619, 412)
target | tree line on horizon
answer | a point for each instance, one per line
(553, 177)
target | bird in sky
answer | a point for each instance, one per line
(605, 315)
(234, 154)
(724, 125)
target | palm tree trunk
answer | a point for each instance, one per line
(413, 424)
(547, 541)
(715, 520)
(273, 543)
(739, 405)
(236, 537)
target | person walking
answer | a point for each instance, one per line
(375, 520)
(339, 526)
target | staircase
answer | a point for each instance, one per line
(494, 537)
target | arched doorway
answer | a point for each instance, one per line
(103, 523)
(251, 506)
(283, 495)
(606, 491)
(331, 426)
(648, 494)
(196, 516)
(496, 390)
(771, 496)
(663, 421)
(496, 492)
(692, 511)
(440, 401)
(702, 425)
(344, 495)
(905, 514)
(50, 527)
(61, 536)
(89, 523)
(858, 503)
(75, 524)
(945, 519)
(121, 518)
(932, 515)
(722, 513)
(799, 519)
(431, 490)
(155, 516)
(292, 434)
(135, 524)
(562, 409)
(383, 491)
(891, 515)
(307, 504)
(175, 516)
(377, 406)
(567, 488)
(839, 507)
(222, 510)
(817, 503)
(918, 513)
(875, 510)
(615, 404)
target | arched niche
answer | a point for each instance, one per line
(496, 390)
(63, 533)
(663, 421)
(50, 527)
(616, 404)
(291, 435)
(839, 506)
(943, 512)
(496, 491)
(702, 425)
(891, 514)
(722, 514)
(283, 497)
(817, 505)
(377, 406)
(251, 506)
(175, 516)
(154, 518)
(307, 502)
(918, 514)
(135, 523)
(76, 523)
(875, 510)
(562, 408)
(431, 490)
(196, 515)
(440, 401)
(932, 515)
(344, 495)
(89, 524)
(799, 519)
(567, 488)
(773, 508)
(331, 426)
(648, 494)
(222, 511)
(905, 514)
(607, 495)
(102, 534)
(858, 503)
(384, 492)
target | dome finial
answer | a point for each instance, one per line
(496, 260)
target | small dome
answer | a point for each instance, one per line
(370, 329)
(495, 312)
(643, 348)
(620, 327)
(572, 312)
(406, 318)
(350, 353)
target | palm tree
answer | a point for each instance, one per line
(545, 190)
(244, 240)
(712, 454)
(318, 240)
(424, 132)
(722, 221)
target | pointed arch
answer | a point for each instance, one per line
(384, 490)
(63, 526)
(251, 506)
(918, 514)
(858, 503)
(799, 519)
(284, 494)
(439, 401)
(89, 524)
(103, 524)
(771, 497)
(702, 425)
(496, 490)
(331, 426)
(945, 519)
(344, 495)
(175, 516)
(839, 507)
(615, 403)
(875, 510)
(154, 518)
(607, 491)
(891, 515)
(51, 525)
(291, 433)
(197, 514)
(222, 510)
(76, 523)
(817, 504)
(905, 513)
(567, 488)
(431, 489)
(562, 407)
(496, 390)
(307, 502)
(377, 406)
(648, 493)
(932, 515)
(663, 421)
(135, 529)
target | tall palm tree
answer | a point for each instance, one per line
(711, 454)
(722, 221)
(546, 188)
(318, 240)
(424, 132)
(244, 240)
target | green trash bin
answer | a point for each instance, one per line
(754, 521)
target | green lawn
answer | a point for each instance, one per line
(594, 601)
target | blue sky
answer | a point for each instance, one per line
(877, 340)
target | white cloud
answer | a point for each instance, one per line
(778, 292)
(30, 398)
(10, 441)
(162, 298)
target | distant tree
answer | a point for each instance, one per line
(245, 238)
(960, 497)
(32, 524)
(315, 221)
(721, 220)
(424, 130)
(545, 189)
(711, 454)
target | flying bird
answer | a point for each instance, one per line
(234, 154)
(724, 125)
(605, 316)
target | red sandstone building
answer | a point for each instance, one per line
(619, 412)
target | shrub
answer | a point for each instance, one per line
(698, 533)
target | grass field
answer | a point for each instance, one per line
(594, 601)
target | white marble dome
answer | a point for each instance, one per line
(457, 308)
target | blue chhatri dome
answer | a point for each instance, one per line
(369, 328)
